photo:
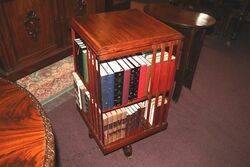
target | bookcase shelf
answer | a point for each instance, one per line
(120, 35)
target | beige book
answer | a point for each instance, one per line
(109, 115)
(105, 128)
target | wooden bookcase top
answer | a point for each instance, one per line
(113, 34)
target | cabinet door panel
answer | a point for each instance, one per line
(73, 8)
(37, 16)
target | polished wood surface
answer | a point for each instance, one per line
(114, 32)
(193, 26)
(26, 137)
(35, 33)
(174, 15)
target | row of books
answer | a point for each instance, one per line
(128, 78)
(122, 122)
(81, 60)
(82, 96)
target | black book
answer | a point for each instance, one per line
(134, 79)
(118, 81)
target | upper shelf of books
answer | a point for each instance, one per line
(113, 34)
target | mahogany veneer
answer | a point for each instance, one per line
(26, 137)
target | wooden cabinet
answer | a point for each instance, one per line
(36, 33)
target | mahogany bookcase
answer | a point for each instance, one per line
(113, 35)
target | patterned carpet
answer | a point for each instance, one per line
(51, 81)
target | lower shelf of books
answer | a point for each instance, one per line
(126, 125)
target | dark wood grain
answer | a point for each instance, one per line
(20, 54)
(26, 137)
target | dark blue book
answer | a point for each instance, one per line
(104, 88)
(110, 84)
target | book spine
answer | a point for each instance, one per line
(105, 128)
(123, 123)
(111, 79)
(142, 81)
(85, 66)
(105, 92)
(125, 90)
(118, 86)
(134, 81)
(157, 72)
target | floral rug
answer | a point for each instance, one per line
(51, 81)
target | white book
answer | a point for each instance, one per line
(115, 66)
(133, 62)
(80, 87)
(145, 60)
(133, 108)
(138, 60)
(137, 106)
(152, 111)
(102, 71)
(128, 63)
(123, 64)
(107, 68)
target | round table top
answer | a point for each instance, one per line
(173, 15)
(26, 137)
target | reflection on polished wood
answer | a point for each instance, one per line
(26, 137)
(174, 15)
(193, 26)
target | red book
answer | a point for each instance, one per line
(147, 74)
(126, 80)
(142, 77)
(165, 73)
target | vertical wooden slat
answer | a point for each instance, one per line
(98, 100)
(158, 78)
(97, 90)
(163, 110)
(94, 90)
(151, 76)
(166, 107)
(73, 36)
(90, 87)
(163, 49)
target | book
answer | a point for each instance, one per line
(147, 86)
(110, 84)
(164, 71)
(79, 89)
(134, 79)
(110, 127)
(104, 88)
(82, 60)
(105, 128)
(118, 81)
(126, 80)
(142, 76)
(123, 122)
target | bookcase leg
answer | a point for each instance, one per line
(127, 151)
(90, 135)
